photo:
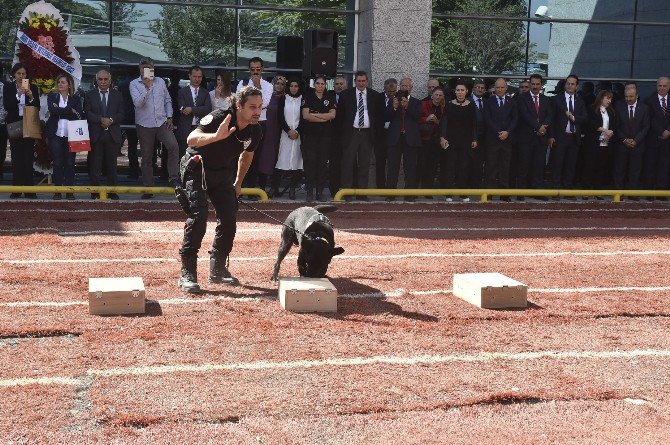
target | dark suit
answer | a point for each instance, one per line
(566, 150)
(598, 164)
(657, 152)
(532, 146)
(499, 118)
(3, 137)
(403, 141)
(105, 144)
(628, 161)
(482, 142)
(385, 106)
(63, 159)
(335, 156)
(201, 108)
(21, 148)
(357, 143)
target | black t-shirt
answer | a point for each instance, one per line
(316, 105)
(218, 155)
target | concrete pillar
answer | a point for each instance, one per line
(394, 41)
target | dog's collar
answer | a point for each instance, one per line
(318, 238)
(320, 218)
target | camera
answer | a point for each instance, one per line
(402, 95)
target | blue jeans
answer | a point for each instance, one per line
(63, 161)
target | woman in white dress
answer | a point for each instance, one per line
(289, 160)
(221, 95)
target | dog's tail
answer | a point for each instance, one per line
(325, 208)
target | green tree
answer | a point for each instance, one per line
(478, 46)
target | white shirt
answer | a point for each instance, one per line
(477, 100)
(666, 101)
(366, 116)
(292, 111)
(266, 88)
(219, 103)
(567, 107)
(62, 123)
(22, 103)
(194, 95)
(628, 109)
(606, 123)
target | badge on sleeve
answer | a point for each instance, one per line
(326, 102)
(207, 120)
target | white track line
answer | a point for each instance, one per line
(352, 230)
(264, 365)
(395, 293)
(350, 257)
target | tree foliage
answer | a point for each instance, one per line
(478, 46)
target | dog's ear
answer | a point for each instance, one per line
(336, 251)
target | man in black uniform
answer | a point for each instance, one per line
(205, 171)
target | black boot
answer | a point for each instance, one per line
(218, 270)
(188, 281)
(295, 177)
(274, 184)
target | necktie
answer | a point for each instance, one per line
(664, 106)
(195, 96)
(104, 103)
(571, 125)
(499, 103)
(361, 117)
(480, 103)
(537, 107)
(631, 112)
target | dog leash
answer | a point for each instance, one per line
(274, 219)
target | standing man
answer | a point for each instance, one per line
(566, 133)
(478, 91)
(385, 105)
(335, 157)
(153, 119)
(104, 113)
(501, 118)
(3, 130)
(256, 80)
(657, 154)
(193, 103)
(359, 109)
(221, 137)
(535, 118)
(403, 137)
(431, 85)
(631, 132)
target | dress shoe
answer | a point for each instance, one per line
(95, 196)
(57, 196)
(450, 199)
(69, 196)
(113, 196)
(390, 198)
(30, 195)
(506, 199)
(521, 198)
(291, 193)
(410, 199)
(14, 195)
(465, 199)
(147, 196)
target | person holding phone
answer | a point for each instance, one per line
(153, 119)
(16, 95)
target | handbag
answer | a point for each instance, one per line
(15, 130)
(77, 135)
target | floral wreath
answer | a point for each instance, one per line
(47, 31)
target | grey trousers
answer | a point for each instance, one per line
(147, 137)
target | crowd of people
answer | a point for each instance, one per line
(463, 135)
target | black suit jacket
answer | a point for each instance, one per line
(11, 103)
(658, 122)
(497, 119)
(596, 121)
(385, 111)
(412, 116)
(115, 110)
(528, 122)
(348, 106)
(636, 128)
(561, 120)
(56, 113)
(201, 108)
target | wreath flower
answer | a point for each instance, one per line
(49, 33)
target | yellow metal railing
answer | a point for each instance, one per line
(104, 191)
(484, 194)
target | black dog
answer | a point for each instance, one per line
(317, 242)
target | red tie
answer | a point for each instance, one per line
(537, 107)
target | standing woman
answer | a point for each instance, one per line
(221, 95)
(268, 154)
(598, 159)
(64, 106)
(318, 110)
(458, 138)
(14, 98)
(290, 157)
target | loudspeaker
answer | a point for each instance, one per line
(320, 53)
(289, 52)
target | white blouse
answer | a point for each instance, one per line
(292, 110)
(62, 123)
(219, 103)
(606, 124)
